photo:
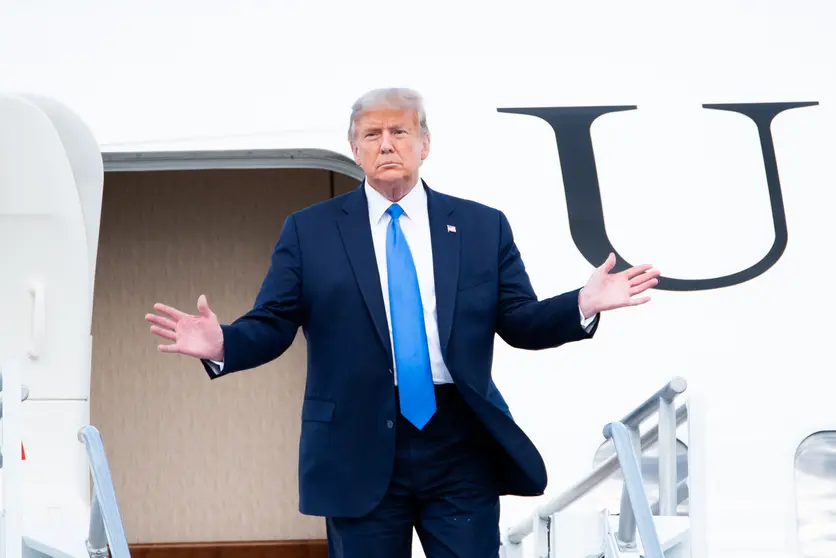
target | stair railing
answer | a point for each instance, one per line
(106, 529)
(634, 497)
(663, 433)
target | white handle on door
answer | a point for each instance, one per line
(36, 342)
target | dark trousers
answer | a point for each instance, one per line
(443, 485)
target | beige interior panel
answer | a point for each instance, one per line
(344, 183)
(195, 459)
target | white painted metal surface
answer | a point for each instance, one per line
(11, 515)
(50, 202)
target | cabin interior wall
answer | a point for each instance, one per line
(192, 459)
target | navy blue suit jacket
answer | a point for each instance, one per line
(324, 279)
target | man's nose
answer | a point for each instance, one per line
(386, 145)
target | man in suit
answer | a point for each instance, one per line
(400, 291)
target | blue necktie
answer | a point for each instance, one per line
(412, 355)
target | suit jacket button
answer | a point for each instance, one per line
(389, 424)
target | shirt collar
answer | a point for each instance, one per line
(414, 204)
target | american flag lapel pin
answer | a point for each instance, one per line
(451, 228)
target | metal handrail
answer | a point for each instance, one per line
(629, 462)
(682, 494)
(105, 521)
(668, 393)
(669, 420)
(602, 472)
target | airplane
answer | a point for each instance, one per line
(151, 151)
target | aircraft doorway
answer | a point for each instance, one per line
(195, 460)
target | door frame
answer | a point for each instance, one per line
(116, 161)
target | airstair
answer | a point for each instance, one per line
(640, 527)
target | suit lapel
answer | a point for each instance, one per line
(357, 238)
(445, 243)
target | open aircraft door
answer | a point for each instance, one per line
(51, 180)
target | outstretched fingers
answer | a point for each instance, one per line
(608, 264)
(642, 286)
(160, 321)
(645, 277)
(165, 327)
(636, 270)
(175, 314)
(640, 300)
(203, 307)
(172, 348)
(164, 332)
(642, 282)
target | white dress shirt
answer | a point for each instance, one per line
(415, 224)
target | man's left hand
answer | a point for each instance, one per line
(606, 291)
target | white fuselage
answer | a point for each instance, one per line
(682, 186)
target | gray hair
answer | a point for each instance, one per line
(390, 97)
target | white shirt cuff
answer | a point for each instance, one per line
(586, 323)
(218, 366)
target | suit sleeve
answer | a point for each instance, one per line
(266, 331)
(525, 322)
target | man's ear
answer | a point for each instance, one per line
(356, 152)
(425, 146)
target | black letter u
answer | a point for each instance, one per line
(571, 127)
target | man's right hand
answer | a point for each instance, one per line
(197, 336)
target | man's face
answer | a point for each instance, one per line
(389, 146)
